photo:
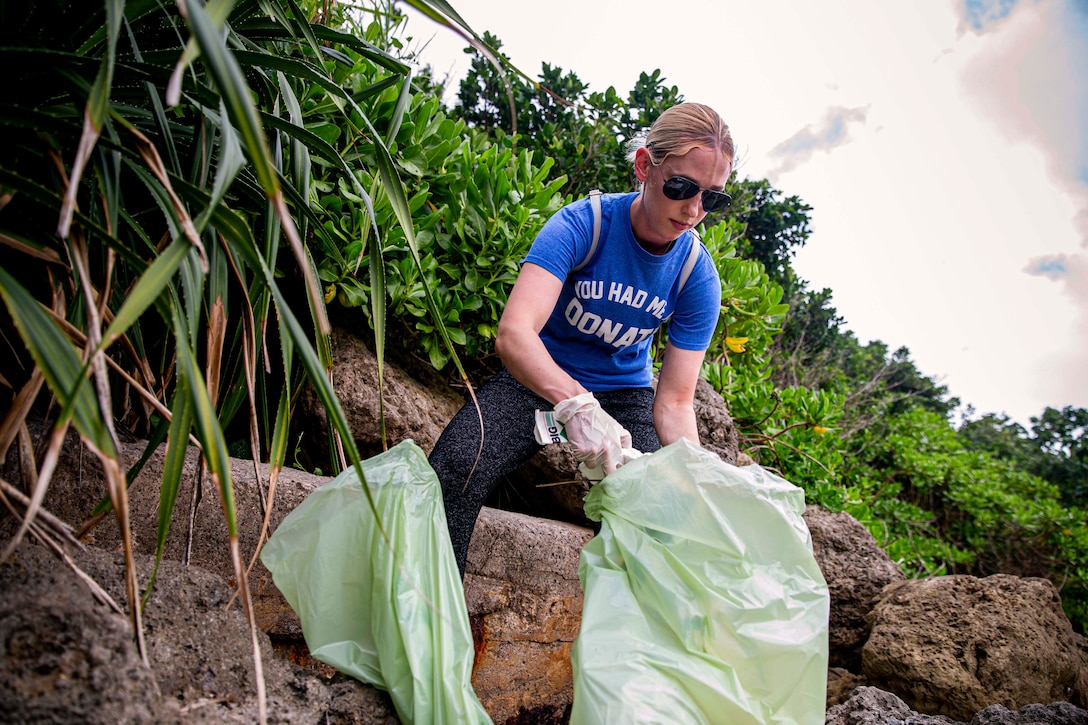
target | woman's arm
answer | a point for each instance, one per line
(674, 402)
(518, 337)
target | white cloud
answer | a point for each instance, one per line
(1029, 78)
(832, 131)
(1064, 375)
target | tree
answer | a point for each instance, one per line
(585, 133)
(1055, 449)
(775, 229)
(1062, 435)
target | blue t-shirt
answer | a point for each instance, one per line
(603, 324)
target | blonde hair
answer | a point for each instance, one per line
(680, 129)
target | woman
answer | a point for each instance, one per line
(576, 332)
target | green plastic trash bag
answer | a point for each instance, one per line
(393, 613)
(703, 602)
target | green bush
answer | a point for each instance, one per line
(476, 206)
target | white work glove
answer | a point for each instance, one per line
(598, 474)
(599, 440)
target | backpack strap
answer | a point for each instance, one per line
(692, 260)
(685, 271)
(595, 202)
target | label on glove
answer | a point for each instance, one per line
(548, 429)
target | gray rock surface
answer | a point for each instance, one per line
(64, 657)
(416, 405)
(872, 706)
(69, 658)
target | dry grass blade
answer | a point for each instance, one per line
(116, 480)
(27, 465)
(249, 367)
(86, 144)
(266, 522)
(277, 451)
(154, 162)
(194, 504)
(18, 503)
(15, 419)
(217, 323)
(43, 253)
(118, 488)
(41, 486)
(247, 606)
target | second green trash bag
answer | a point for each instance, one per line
(390, 613)
(703, 601)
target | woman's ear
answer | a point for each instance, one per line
(642, 164)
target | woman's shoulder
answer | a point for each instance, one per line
(618, 198)
(613, 205)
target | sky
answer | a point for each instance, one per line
(942, 146)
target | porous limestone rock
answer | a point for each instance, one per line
(856, 570)
(955, 645)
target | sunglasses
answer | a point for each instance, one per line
(679, 188)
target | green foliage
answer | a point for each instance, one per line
(1055, 448)
(557, 117)
(775, 229)
(945, 508)
(476, 205)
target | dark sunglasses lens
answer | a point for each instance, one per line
(715, 200)
(678, 188)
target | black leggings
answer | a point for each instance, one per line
(508, 409)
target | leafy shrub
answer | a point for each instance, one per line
(476, 206)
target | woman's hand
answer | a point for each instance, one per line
(599, 440)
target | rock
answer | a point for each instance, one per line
(1056, 713)
(416, 406)
(353, 703)
(65, 658)
(856, 570)
(955, 645)
(525, 606)
(78, 485)
(716, 430)
(841, 684)
(76, 659)
(872, 706)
